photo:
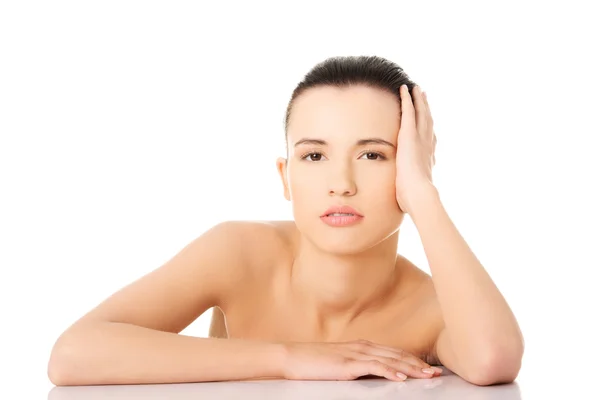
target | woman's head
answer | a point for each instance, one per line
(341, 128)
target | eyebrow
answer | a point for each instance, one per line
(361, 142)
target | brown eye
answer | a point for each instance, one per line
(374, 156)
(313, 156)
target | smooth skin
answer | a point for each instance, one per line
(300, 299)
(133, 336)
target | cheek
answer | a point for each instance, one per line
(303, 182)
(304, 189)
(384, 203)
(379, 187)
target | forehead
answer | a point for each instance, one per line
(353, 111)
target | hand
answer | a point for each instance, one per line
(415, 155)
(349, 360)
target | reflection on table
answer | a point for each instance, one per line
(448, 387)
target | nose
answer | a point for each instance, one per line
(341, 181)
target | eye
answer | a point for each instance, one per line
(312, 156)
(372, 155)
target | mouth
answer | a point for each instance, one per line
(341, 211)
(341, 219)
(337, 216)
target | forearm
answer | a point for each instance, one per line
(479, 322)
(118, 353)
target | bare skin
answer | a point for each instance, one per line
(407, 318)
(243, 268)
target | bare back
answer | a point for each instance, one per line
(260, 308)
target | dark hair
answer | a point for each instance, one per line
(372, 71)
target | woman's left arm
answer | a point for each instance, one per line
(481, 340)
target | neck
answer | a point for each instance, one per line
(335, 289)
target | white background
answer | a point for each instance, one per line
(129, 128)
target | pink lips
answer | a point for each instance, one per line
(352, 216)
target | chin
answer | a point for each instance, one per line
(347, 242)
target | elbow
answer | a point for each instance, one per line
(58, 366)
(62, 368)
(57, 371)
(69, 363)
(57, 376)
(496, 368)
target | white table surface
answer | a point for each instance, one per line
(448, 387)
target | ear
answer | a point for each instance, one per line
(282, 169)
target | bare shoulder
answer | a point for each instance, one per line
(205, 273)
(265, 241)
(267, 245)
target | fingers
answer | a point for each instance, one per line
(403, 361)
(429, 118)
(409, 369)
(421, 110)
(358, 368)
(384, 351)
(398, 365)
(366, 346)
(407, 109)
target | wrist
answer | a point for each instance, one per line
(276, 359)
(421, 197)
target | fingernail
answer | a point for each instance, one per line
(401, 375)
(437, 369)
(428, 370)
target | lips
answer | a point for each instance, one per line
(341, 216)
(341, 211)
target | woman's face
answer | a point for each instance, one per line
(328, 165)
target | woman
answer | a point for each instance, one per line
(325, 296)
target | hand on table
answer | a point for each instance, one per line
(350, 360)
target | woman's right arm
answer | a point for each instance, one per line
(133, 336)
(119, 353)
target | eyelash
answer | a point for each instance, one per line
(381, 156)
